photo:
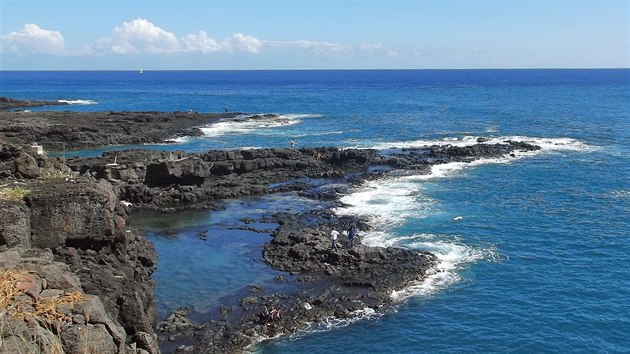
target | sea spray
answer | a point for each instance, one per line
(78, 102)
(252, 124)
(391, 202)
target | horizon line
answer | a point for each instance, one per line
(327, 69)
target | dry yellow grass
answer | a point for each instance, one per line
(44, 309)
(10, 289)
(47, 311)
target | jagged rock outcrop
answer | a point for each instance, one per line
(15, 225)
(162, 180)
(174, 180)
(79, 221)
(45, 309)
(297, 247)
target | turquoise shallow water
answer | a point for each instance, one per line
(539, 262)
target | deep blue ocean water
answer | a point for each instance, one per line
(540, 260)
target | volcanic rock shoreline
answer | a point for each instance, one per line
(60, 131)
(7, 103)
(69, 221)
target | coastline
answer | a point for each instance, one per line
(169, 181)
(60, 131)
(7, 103)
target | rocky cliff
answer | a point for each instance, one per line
(81, 281)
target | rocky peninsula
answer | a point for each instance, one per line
(58, 131)
(7, 103)
(65, 240)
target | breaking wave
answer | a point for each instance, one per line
(78, 102)
(389, 203)
(547, 144)
(252, 124)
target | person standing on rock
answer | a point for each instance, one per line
(333, 237)
(352, 231)
(275, 314)
(292, 143)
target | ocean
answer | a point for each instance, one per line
(534, 250)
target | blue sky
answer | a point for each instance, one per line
(340, 34)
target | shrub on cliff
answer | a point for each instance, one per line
(13, 194)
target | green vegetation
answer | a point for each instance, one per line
(13, 194)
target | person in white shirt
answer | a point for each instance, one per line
(333, 237)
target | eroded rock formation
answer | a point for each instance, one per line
(69, 233)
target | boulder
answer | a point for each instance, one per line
(26, 165)
(183, 172)
(15, 225)
(81, 213)
(90, 338)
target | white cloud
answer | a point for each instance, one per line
(242, 42)
(33, 39)
(317, 47)
(239, 42)
(323, 47)
(141, 36)
(200, 42)
(137, 36)
(145, 36)
(378, 49)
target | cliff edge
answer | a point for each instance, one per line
(73, 278)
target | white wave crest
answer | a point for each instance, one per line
(547, 144)
(78, 102)
(620, 194)
(299, 115)
(390, 202)
(181, 139)
(323, 326)
(336, 322)
(252, 124)
(451, 254)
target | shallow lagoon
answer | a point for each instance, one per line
(206, 259)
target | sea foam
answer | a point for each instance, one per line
(452, 255)
(78, 102)
(249, 125)
(546, 144)
(337, 322)
(390, 202)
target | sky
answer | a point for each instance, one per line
(322, 34)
